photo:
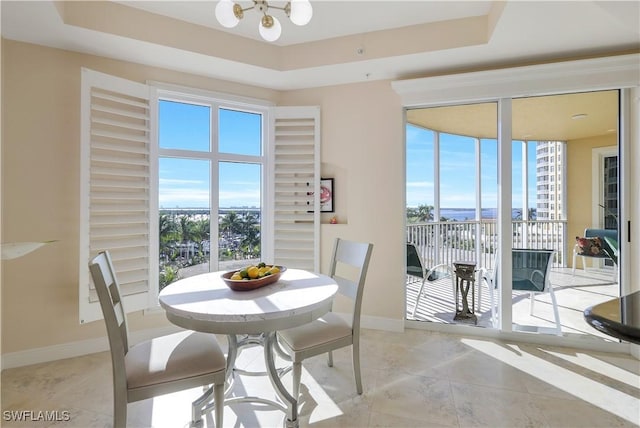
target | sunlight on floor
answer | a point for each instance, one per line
(564, 375)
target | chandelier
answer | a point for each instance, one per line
(299, 12)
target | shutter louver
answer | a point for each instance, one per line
(115, 184)
(296, 184)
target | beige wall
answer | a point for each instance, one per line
(580, 205)
(362, 149)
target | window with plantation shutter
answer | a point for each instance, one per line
(296, 184)
(116, 165)
(121, 179)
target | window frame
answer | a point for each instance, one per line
(215, 101)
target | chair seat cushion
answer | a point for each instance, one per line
(328, 328)
(173, 357)
(590, 247)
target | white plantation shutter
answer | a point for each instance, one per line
(296, 184)
(115, 187)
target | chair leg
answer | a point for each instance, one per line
(330, 358)
(479, 307)
(532, 300)
(355, 350)
(573, 270)
(492, 302)
(415, 308)
(556, 314)
(119, 411)
(297, 376)
(218, 394)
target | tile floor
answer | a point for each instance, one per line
(413, 379)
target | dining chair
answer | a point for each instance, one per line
(417, 269)
(530, 271)
(158, 366)
(349, 264)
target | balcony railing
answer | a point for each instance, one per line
(446, 242)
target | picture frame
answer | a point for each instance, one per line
(327, 195)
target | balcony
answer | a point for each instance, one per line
(446, 242)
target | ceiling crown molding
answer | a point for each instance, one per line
(622, 71)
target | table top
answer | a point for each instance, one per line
(618, 317)
(205, 303)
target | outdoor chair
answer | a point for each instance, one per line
(158, 366)
(531, 269)
(416, 269)
(596, 244)
(331, 331)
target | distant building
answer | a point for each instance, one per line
(549, 180)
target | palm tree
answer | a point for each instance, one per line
(231, 224)
(421, 214)
(167, 229)
(250, 241)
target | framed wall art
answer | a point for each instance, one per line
(326, 195)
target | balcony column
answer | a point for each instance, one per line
(505, 228)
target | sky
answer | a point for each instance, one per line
(185, 182)
(458, 170)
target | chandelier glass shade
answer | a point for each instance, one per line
(299, 12)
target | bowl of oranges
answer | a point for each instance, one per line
(253, 276)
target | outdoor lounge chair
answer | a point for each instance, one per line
(530, 272)
(597, 244)
(416, 269)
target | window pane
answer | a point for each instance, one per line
(240, 132)
(239, 214)
(489, 178)
(419, 175)
(184, 223)
(457, 177)
(184, 126)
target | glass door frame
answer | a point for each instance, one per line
(608, 73)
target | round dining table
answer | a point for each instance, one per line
(205, 303)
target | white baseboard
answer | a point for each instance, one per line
(74, 349)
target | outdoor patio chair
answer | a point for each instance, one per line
(596, 244)
(531, 269)
(416, 269)
(349, 265)
(159, 366)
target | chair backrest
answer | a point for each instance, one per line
(530, 269)
(108, 289)
(349, 265)
(414, 262)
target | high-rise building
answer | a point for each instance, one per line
(549, 167)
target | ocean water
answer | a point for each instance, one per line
(461, 214)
